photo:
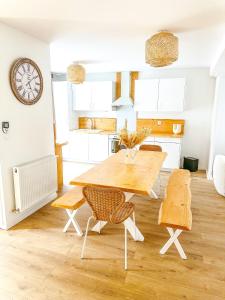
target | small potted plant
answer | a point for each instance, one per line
(130, 140)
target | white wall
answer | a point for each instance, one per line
(199, 95)
(31, 127)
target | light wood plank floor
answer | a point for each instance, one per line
(38, 261)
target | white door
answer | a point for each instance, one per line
(78, 147)
(82, 96)
(102, 95)
(98, 147)
(146, 95)
(172, 160)
(171, 94)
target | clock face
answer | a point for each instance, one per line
(26, 81)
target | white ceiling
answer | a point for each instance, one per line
(112, 33)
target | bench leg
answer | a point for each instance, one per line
(71, 214)
(173, 239)
(154, 194)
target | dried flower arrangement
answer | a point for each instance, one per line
(132, 139)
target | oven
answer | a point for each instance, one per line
(114, 146)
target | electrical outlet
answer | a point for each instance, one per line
(159, 122)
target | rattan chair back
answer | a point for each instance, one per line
(103, 201)
(150, 148)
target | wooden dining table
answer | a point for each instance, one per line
(137, 177)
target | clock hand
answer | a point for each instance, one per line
(29, 81)
(29, 85)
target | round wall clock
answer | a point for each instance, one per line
(26, 81)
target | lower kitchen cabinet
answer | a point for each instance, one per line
(172, 160)
(77, 148)
(172, 146)
(84, 147)
(98, 147)
(95, 148)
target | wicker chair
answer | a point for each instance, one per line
(157, 148)
(150, 148)
(107, 204)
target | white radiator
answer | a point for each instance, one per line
(34, 181)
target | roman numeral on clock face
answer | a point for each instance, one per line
(23, 68)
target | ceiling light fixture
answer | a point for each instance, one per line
(76, 73)
(161, 49)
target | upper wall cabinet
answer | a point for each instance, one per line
(93, 96)
(171, 94)
(159, 95)
(81, 96)
(146, 95)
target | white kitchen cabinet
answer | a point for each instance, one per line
(93, 96)
(172, 146)
(171, 94)
(146, 95)
(160, 95)
(102, 95)
(173, 151)
(81, 96)
(77, 147)
(98, 147)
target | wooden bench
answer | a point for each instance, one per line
(71, 202)
(175, 211)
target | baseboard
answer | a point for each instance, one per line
(15, 217)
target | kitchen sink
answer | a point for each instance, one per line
(89, 130)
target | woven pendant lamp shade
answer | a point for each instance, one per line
(76, 73)
(161, 49)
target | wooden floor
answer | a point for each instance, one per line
(38, 261)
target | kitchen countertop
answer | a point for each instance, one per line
(167, 135)
(161, 135)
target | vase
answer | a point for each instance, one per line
(130, 155)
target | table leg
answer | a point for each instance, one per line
(98, 227)
(134, 231)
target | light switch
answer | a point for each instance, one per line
(5, 127)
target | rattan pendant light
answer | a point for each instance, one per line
(75, 73)
(161, 49)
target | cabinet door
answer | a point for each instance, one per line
(102, 95)
(146, 95)
(82, 96)
(172, 160)
(98, 147)
(78, 147)
(171, 94)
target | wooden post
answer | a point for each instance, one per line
(58, 153)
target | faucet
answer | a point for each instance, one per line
(90, 123)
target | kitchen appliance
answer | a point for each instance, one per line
(125, 99)
(176, 128)
(114, 146)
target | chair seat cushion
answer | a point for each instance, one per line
(122, 212)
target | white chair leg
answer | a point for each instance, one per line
(85, 237)
(125, 248)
